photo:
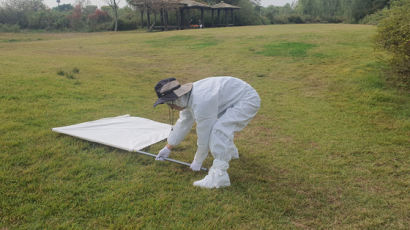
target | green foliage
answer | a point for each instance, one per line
(33, 14)
(127, 23)
(64, 7)
(60, 73)
(69, 74)
(283, 15)
(351, 11)
(9, 28)
(247, 14)
(394, 36)
(374, 19)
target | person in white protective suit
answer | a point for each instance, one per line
(220, 106)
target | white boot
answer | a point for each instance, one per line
(217, 176)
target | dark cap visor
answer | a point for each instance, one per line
(168, 97)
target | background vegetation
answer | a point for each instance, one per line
(394, 36)
(33, 14)
(329, 148)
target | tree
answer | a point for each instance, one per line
(76, 18)
(18, 12)
(114, 6)
(334, 10)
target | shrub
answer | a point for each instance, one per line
(374, 19)
(125, 24)
(9, 28)
(294, 18)
(60, 73)
(394, 36)
(99, 20)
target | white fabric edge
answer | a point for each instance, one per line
(60, 130)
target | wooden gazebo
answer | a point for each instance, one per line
(190, 4)
(226, 7)
(181, 7)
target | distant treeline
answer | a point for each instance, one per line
(349, 11)
(35, 15)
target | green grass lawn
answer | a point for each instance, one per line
(329, 147)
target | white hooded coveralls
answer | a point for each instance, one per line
(220, 106)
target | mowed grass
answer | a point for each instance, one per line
(329, 147)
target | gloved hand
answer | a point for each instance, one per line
(163, 153)
(195, 166)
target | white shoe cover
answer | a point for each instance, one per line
(216, 178)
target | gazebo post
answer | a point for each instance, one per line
(182, 18)
(202, 16)
(226, 17)
(219, 12)
(177, 17)
(212, 19)
(188, 14)
(232, 18)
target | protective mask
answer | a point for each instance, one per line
(182, 101)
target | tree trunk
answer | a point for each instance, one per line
(142, 18)
(148, 19)
(116, 18)
(166, 19)
(161, 16)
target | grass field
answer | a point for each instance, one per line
(329, 148)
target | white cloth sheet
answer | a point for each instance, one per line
(123, 132)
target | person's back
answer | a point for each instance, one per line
(216, 94)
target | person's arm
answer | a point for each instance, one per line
(181, 128)
(178, 133)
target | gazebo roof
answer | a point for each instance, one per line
(223, 5)
(193, 4)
